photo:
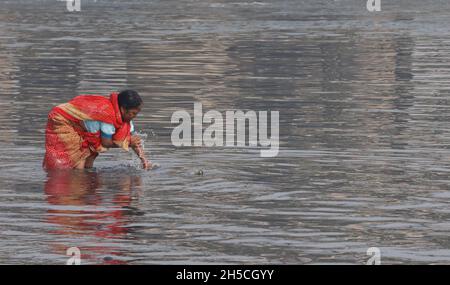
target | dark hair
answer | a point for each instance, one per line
(129, 99)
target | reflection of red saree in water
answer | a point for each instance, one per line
(79, 210)
(67, 142)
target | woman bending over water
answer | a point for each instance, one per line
(79, 130)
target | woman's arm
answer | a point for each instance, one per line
(106, 133)
(108, 142)
(136, 145)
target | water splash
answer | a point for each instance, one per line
(135, 161)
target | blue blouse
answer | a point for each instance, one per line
(106, 130)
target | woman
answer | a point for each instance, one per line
(79, 130)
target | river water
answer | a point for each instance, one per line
(364, 160)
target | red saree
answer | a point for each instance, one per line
(67, 143)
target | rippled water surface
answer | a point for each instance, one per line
(364, 102)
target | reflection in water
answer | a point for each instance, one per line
(79, 209)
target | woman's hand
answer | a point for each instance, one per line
(136, 145)
(146, 164)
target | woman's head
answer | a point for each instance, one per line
(130, 104)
